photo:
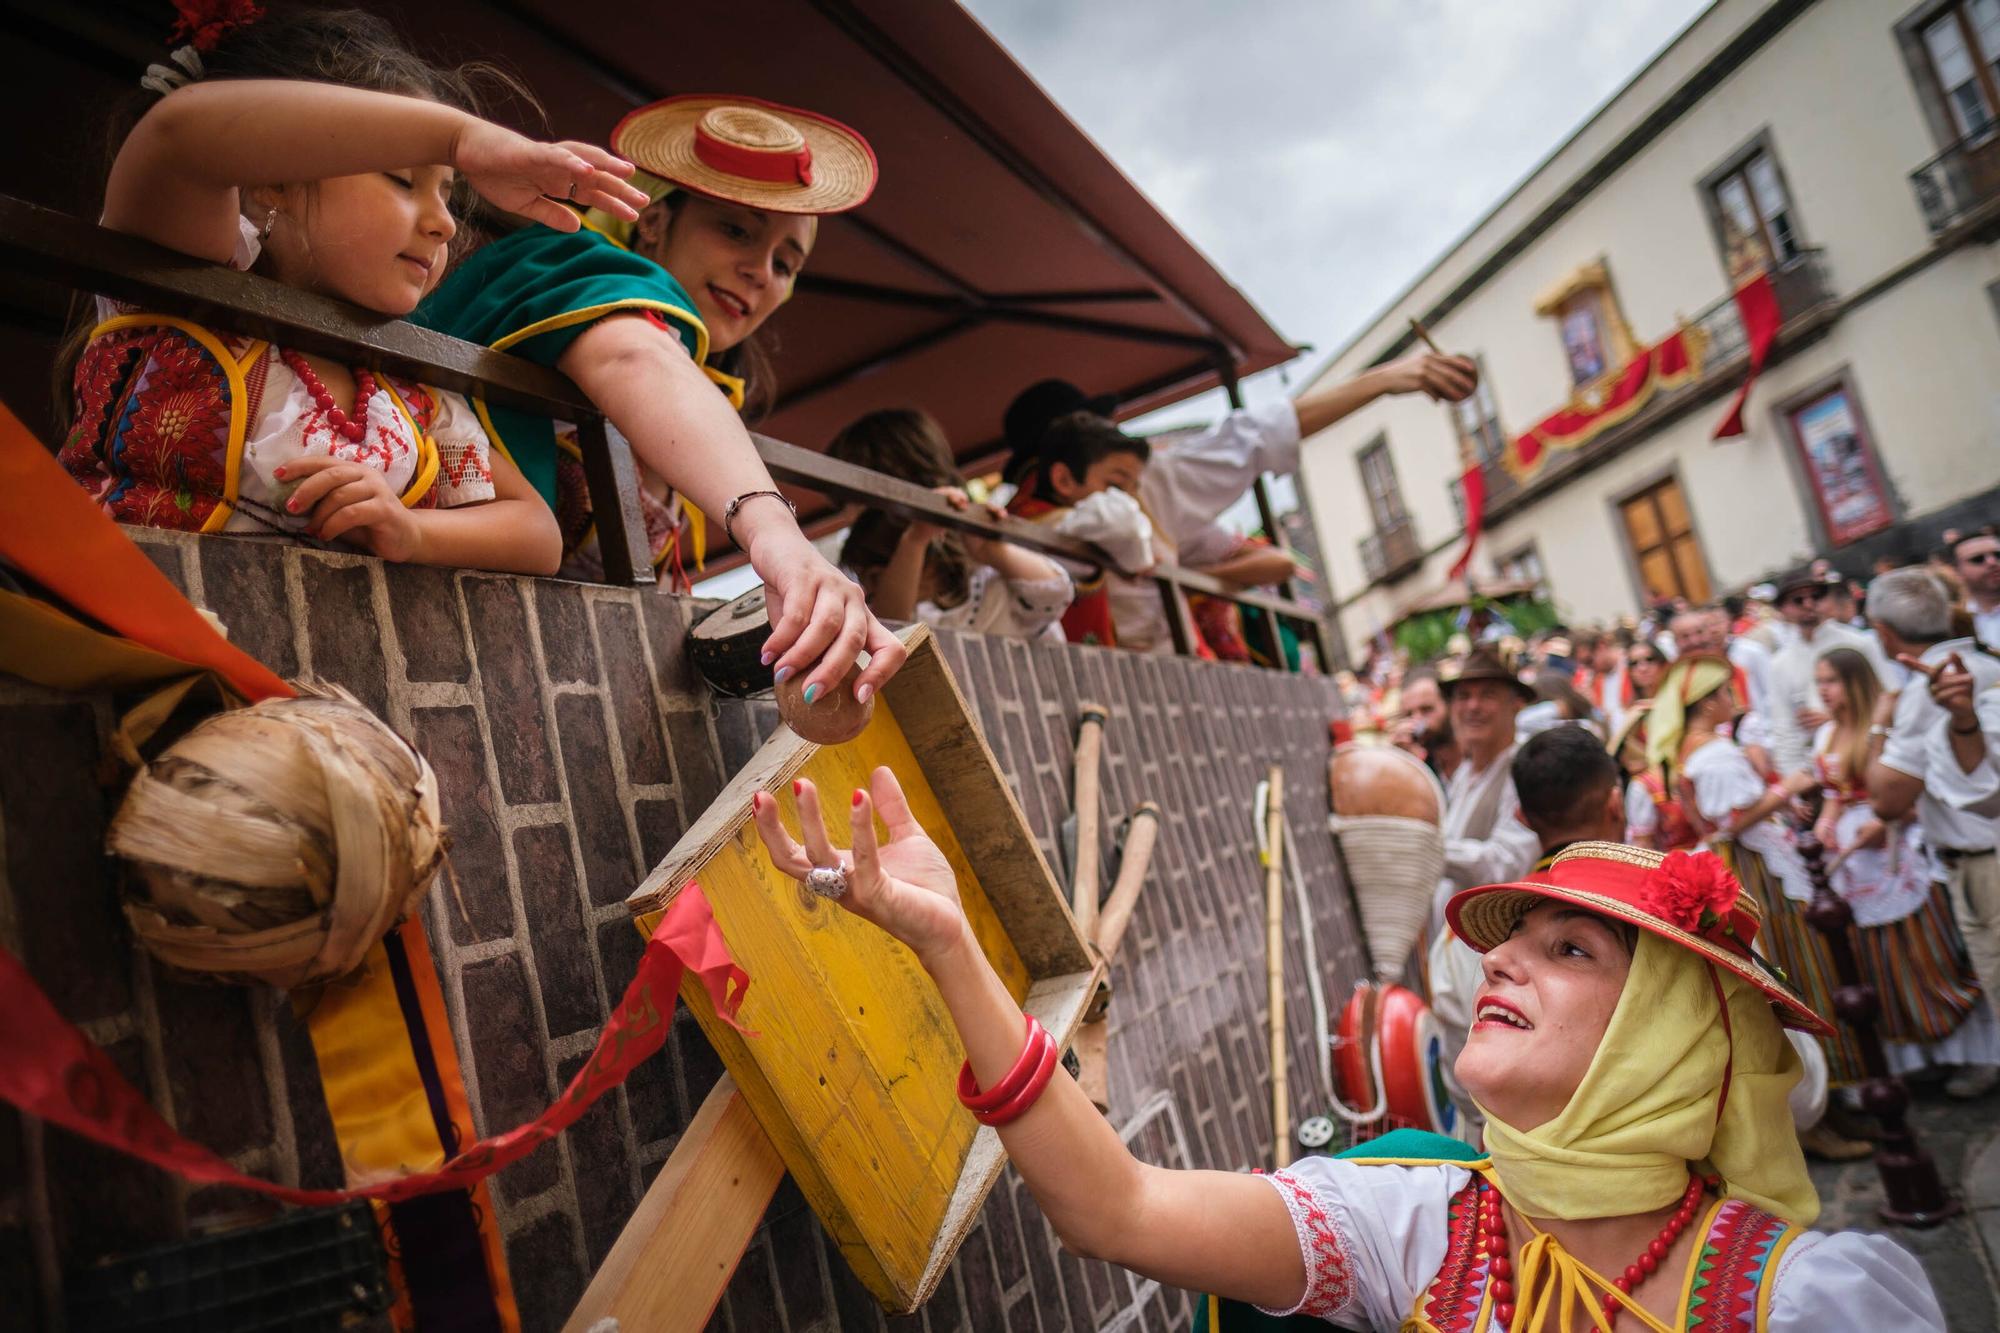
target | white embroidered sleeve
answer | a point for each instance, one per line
(1850, 1280)
(1372, 1236)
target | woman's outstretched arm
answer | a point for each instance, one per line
(1214, 1231)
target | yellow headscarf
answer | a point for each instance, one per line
(1691, 680)
(1646, 1110)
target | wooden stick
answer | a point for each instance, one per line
(1274, 964)
(1093, 1062)
(1424, 334)
(668, 1267)
(1138, 857)
(1084, 877)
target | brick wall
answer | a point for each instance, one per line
(573, 745)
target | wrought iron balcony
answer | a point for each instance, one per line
(1391, 552)
(1961, 185)
(1801, 285)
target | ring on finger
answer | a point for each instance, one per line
(572, 192)
(828, 881)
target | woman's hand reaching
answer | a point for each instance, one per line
(904, 885)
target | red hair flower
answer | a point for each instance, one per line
(1692, 890)
(203, 22)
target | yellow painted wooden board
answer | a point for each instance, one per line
(853, 1071)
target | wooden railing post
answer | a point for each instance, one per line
(1913, 1193)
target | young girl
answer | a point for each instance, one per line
(656, 322)
(915, 571)
(313, 148)
(1654, 818)
(1906, 941)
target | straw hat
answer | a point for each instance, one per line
(759, 154)
(1689, 898)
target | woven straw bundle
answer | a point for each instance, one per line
(279, 842)
(1387, 823)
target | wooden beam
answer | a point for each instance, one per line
(669, 1265)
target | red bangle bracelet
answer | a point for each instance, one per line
(1025, 1099)
(1012, 1081)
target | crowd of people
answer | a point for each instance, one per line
(1858, 715)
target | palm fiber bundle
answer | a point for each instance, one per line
(278, 842)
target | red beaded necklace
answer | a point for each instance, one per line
(1493, 1241)
(354, 428)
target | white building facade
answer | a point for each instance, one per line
(1846, 150)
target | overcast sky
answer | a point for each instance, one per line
(1323, 152)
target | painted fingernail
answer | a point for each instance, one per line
(857, 798)
(862, 693)
(292, 504)
(812, 693)
(781, 675)
(798, 787)
(768, 658)
(756, 800)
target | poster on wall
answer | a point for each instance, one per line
(1853, 502)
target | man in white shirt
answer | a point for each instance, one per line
(1485, 841)
(1795, 713)
(1911, 613)
(1977, 559)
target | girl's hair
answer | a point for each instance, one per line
(1860, 690)
(751, 359)
(907, 444)
(347, 47)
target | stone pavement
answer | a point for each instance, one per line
(1963, 1255)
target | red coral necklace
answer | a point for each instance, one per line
(1493, 1240)
(353, 428)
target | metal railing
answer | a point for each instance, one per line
(42, 243)
(1391, 551)
(1960, 182)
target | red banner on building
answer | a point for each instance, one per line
(1669, 363)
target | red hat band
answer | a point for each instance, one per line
(776, 166)
(1692, 891)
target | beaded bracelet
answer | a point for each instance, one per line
(1028, 1071)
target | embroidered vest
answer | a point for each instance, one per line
(163, 407)
(1727, 1287)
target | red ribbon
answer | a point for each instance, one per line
(1473, 483)
(51, 1070)
(756, 164)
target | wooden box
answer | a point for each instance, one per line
(853, 1073)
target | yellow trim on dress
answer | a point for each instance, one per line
(1769, 1281)
(586, 314)
(427, 453)
(232, 370)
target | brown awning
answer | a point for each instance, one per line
(1002, 246)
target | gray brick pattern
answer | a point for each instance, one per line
(572, 747)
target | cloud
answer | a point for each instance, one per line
(1324, 152)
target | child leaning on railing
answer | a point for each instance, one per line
(313, 148)
(917, 571)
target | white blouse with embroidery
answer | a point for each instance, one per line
(1373, 1237)
(284, 424)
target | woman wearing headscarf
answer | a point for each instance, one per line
(1628, 1053)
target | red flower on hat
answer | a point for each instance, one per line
(1692, 890)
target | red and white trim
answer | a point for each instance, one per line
(1330, 1286)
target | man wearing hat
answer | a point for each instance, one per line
(1485, 839)
(1795, 713)
(1194, 477)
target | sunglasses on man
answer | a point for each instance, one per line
(1981, 558)
(1804, 595)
